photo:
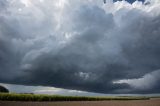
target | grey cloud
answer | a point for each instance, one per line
(146, 84)
(77, 45)
(3, 5)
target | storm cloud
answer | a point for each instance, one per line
(80, 45)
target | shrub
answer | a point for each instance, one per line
(3, 89)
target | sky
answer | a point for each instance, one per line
(130, 1)
(80, 46)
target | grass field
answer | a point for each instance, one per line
(33, 97)
(151, 102)
(12, 99)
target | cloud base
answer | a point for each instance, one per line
(82, 45)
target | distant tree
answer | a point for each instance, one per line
(3, 89)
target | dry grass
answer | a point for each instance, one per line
(151, 102)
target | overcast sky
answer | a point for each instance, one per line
(81, 45)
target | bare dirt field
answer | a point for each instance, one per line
(151, 102)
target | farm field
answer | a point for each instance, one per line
(151, 102)
(35, 97)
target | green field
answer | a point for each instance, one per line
(34, 97)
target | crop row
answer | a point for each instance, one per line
(33, 97)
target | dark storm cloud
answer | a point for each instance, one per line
(130, 1)
(82, 45)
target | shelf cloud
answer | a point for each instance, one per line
(81, 44)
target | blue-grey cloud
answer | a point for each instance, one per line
(130, 1)
(82, 45)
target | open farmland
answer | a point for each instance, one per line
(151, 102)
(55, 100)
(33, 97)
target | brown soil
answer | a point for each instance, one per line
(151, 102)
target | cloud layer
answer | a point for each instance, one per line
(82, 45)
